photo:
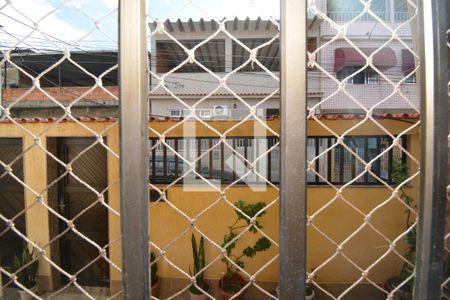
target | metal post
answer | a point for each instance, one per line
(134, 214)
(1, 98)
(293, 150)
(433, 163)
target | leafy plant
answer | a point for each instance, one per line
(199, 264)
(309, 291)
(244, 211)
(399, 175)
(153, 268)
(26, 267)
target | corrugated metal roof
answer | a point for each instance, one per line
(331, 117)
(204, 25)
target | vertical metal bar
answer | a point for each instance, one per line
(1, 92)
(433, 139)
(353, 161)
(245, 140)
(154, 159)
(316, 141)
(164, 162)
(390, 160)
(210, 158)
(199, 152)
(341, 163)
(133, 90)
(270, 143)
(293, 150)
(234, 160)
(329, 161)
(176, 159)
(366, 157)
(222, 163)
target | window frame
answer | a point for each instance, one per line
(366, 182)
(178, 112)
(411, 79)
(366, 73)
(247, 141)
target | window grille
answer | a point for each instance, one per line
(96, 190)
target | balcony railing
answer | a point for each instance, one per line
(343, 16)
(401, 16)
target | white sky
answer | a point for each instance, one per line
(65, 22)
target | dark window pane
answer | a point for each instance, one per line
(230, 162)
(261, 147)
(336, 156)
(373, 151)
(216, 161)
(358, 146)
(275, 163)
(170, 161)
(348, 165)
(384, 160)
(323, 160)
(203, 166)
(310, 154)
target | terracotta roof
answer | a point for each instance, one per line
(398, 116)
(66, 119)
(362, 116)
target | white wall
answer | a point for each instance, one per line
(371, 34)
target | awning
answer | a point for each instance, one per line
(344, 57)
(408, 63)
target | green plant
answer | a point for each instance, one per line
(245, 213)
(26, 267)
(153, 268)
(399, 175)
(309, 291)
(199, 264)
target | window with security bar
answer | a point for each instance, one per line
(224, 150)
(215, 164)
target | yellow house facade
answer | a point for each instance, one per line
(336, 214)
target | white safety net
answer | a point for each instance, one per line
(59, 150)
(363, 150)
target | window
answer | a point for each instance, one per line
(205, 113)
(411, 78)
(217, 160)
(366, 76)
(339, 165)
(175, 113)
(272, 112)
(401, 10)
(345, 10)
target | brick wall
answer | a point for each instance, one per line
(60, 93)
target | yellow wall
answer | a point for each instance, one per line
(338, 220)
(35, 178)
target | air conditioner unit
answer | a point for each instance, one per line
(220, 111)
